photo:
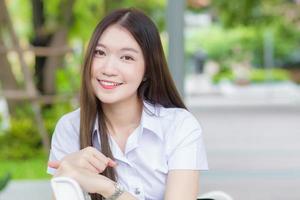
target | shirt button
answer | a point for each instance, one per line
(137, 191)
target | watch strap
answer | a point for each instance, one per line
(118, 192)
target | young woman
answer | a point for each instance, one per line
(132, 137)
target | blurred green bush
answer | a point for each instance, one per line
(256, 75)
(225, 45)
(244, 44)
(22, 140)
(221, 44)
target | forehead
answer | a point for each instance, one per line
(118, 37)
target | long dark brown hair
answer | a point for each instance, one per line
(158, 88)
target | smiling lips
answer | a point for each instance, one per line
(108, 84)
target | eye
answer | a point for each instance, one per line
(99, 52)
(127, 58)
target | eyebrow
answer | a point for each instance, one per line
(122, 49)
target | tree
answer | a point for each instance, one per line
(30, 90)
(7, 78)
(45, 66)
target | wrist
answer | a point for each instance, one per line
(117, 193)
(109, 189)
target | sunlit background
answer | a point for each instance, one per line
(240, 77)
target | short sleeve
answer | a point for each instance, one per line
(186, 148)
(65, 140)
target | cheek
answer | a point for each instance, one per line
(138, 72)
(134, 76)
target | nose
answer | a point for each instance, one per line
(109, 67)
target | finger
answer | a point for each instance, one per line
(100, 156)
(89, 162)
(112, 163)
(100, 166)
(54, 164)
(91, 168)
(106, 160)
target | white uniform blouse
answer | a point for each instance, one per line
(166, 139)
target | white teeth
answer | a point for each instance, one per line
(109, 83)
(105, 83)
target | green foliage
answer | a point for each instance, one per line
(53, 114)
(22, 140)
(4, 180)
(52, 10)
(260, 75)
(21, 152)
(1, 119)
(222, 45)
(225, 74)
(236, 12)
(20, 16)
(259, 13)
(33, 168)
(154, 8)
(244, 42)
(287, 42)
(256, 75)
(87, 13)
(67, 80)
(279, 17)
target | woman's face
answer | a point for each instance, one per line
(118, 66)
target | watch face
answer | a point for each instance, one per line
(119, 187)
(119, 191)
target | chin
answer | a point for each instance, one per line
(112, 99)
(108, 100)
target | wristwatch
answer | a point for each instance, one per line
(119, 191)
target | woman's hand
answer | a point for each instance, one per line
(88, 158)
(84, 166)
(89, 181)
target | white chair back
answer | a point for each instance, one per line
(65, 188)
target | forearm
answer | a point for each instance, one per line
(127, 196)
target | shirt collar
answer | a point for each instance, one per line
(150, 119)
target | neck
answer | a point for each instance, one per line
(123, 115)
